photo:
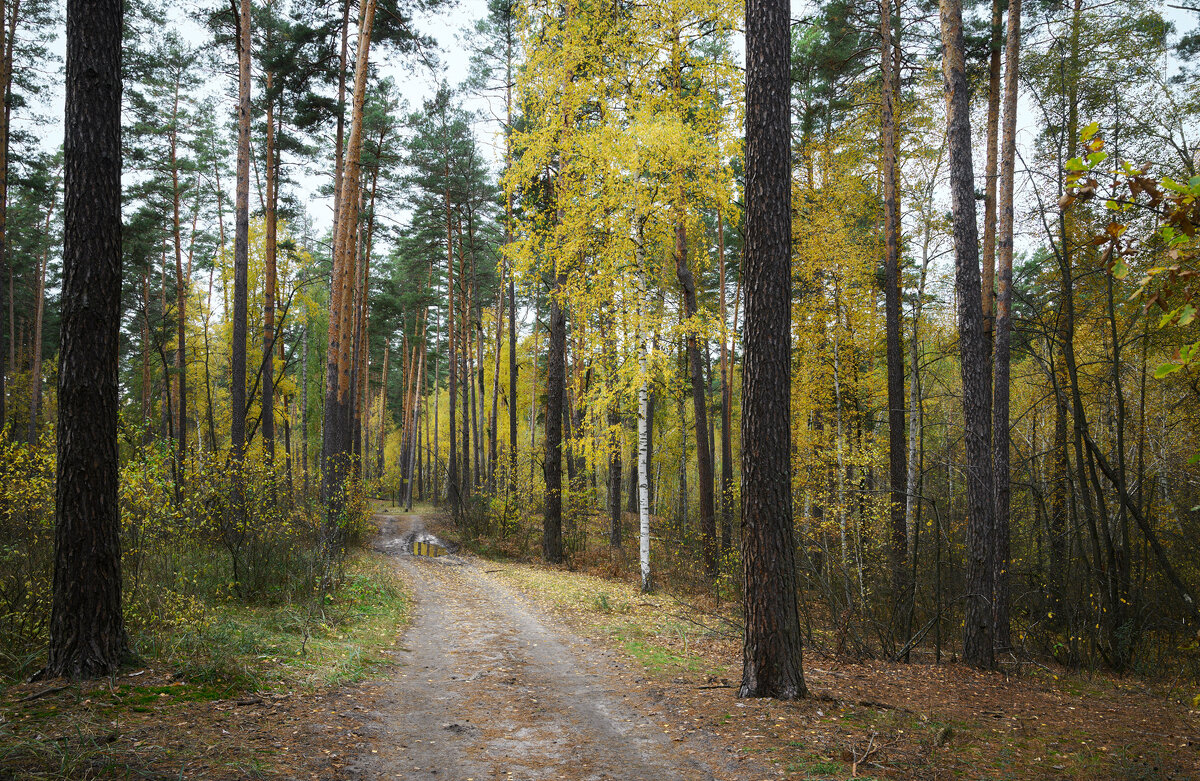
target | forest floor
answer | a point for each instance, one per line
(520, 671)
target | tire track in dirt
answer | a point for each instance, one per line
(484, 688)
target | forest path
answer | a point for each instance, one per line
(486, 687)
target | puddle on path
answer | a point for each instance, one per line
(420, 548)
(422, 543)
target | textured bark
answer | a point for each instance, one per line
(643, 422)
(241, 246)
(1003, 328)
(988, 289)
(339, 385)
(975, 364)
(772, 650)
(556, 376)
(897, 453)
(87, 631)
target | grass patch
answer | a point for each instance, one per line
(657, 658)
(340, 640)
(236, 659)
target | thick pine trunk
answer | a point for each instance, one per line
(975, 363)
(87, 630)
(772, 650)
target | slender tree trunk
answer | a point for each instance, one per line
(8, 26)
(643, 430)
(87, 630)
(181, 291)
(533, 400)
(452, 484)
(339, 144)
(237, 392)
(556, 371)
(304, 413)
(704, 455)
(35, 380)
(772, 650)
(270, 251)
(416, 425)
(1000, 404)
(468, 384)
(339, 390)
(726, 404)
(978, 635)
(897, 455)
(383, 379)
(995, 44)
(493, 431)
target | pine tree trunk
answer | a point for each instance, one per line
(181, 291)
(772, 650)
(452, 484)
(270, 251)
(726, 405)
(493, 431)
(556, 375)
(897, 454)
(1000, 404)
(35, 366)
(8, 28)
(339, 389)
(978, 635)
(988, 290)
(87, 630)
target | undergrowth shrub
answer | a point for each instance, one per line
(223, 536)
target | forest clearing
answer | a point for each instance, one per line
(594, 389)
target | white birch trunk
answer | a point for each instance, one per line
(643, 408)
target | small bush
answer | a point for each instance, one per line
(223, 535)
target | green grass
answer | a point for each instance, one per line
(236, 649)
(657, 658)
(339, 640)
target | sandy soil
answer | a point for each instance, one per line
(488, 686)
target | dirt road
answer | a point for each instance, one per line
(487, 688)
